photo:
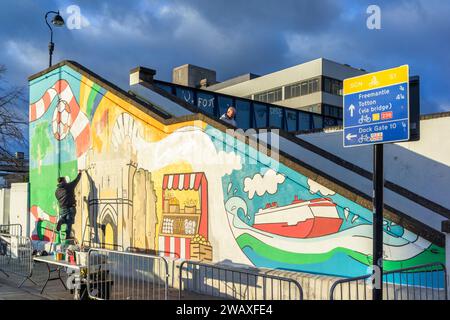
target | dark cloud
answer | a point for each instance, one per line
(233, 37)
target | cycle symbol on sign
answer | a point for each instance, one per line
(364, 119)
(364, 138)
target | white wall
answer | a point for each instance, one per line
(19, 212)
(422, 167)
(4, 205)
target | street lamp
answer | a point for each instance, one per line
(57, 21)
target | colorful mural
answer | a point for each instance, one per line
(183, 191)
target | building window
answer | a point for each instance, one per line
(313, 86)
(316, 108)
(332, 111)
(269, 96)
(292, 91)
(333, 86)
(302, 88)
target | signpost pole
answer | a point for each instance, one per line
(376, 111)
(378, 184)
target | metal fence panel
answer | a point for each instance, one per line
(12, 229)
(423, 282)
(225, 282)
(16, 256)
(117, 275)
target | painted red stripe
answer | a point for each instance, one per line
(46, 99)
(60, 85)
(177, 247)
(176, 179)
(32, 112)
(74, 108)
(198, 180)
(165, 181)
(188, 248)
(167, 248)
(35, 237)
(203, 228)
(83, 140)
(326, 204)
(34, 212)
(187, 177)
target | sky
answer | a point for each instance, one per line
(232, 37)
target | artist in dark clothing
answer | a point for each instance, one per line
(65, 193)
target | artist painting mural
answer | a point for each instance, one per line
(176, 190)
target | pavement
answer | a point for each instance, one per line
(29, 291)
(54, 290)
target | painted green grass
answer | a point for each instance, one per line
(42, 192)
(432, 254)
(43, 185)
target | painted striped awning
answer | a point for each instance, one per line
(183, 181)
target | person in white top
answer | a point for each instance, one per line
(229, 116)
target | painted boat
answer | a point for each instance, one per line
(300, 219)
(357, 238)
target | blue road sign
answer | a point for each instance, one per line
(376, 108)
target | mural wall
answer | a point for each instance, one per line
(189, 191)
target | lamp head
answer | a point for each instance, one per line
(58, 20)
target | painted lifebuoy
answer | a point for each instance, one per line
(67, 116)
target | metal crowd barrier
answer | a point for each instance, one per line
(423, 282)
(102, 245)
(153, 252)
(118, 275)
(12, 229)
(225, 282)
(16, 256)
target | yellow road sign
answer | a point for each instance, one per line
(376, 80)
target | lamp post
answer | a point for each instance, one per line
(57, 21)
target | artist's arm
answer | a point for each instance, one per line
(77, 179)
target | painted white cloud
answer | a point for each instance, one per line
(260, 184)
(314, 187)
(188, 144)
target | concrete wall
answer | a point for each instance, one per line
(18, 209)
(190, 190)
(4, 205)
(190, 75)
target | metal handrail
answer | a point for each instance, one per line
(240, 272)
(326, 120)
(367, 276)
